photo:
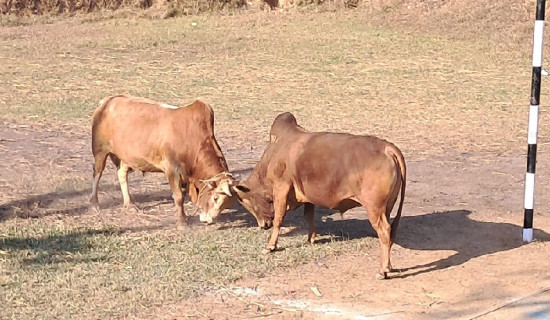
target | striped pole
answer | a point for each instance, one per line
(538, 37)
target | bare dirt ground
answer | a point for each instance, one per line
(459, 255)
(459, 252)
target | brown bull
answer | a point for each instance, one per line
(145, 135)
(333, 170)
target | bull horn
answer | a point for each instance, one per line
(240, 190)
(225, 188)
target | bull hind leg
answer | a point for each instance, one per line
(309, 215)
(116, 161)
(379, 221)
(99, 165)
(175, 182)
(389, 208)
(394, 224)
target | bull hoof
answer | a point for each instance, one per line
(269, 249)
(380, 276)
(131, 208)
(180, 226)
(94, 207)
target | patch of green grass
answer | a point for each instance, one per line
(50, 271)
(63, 110)
(14, 20)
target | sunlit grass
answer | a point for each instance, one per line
(52, 271)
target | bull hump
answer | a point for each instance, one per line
(155, 103)
(169, 106)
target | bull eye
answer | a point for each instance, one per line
(216, 197)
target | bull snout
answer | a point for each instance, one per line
(206, 218)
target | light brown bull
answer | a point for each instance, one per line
(148, 136)
(333, 170)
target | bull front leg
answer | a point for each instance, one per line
(279, 205)
(122, 174)
(174, 180)
(309, 215)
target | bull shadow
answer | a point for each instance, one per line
(236, 217)
(32, 207)
(56, 248)
(77, 202)
(446, 230)
(454, 230)
(75, 246)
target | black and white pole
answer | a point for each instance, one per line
(533, 123)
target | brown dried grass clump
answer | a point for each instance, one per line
(451, 14)
(170, 7)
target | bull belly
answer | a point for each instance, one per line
(345, 205)
(144, 167)
(140, 164)
(341, 205)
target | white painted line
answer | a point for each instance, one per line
(327, 309)
(246, 291)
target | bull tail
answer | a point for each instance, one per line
(402, 171)
(101, 105)
(98, 112)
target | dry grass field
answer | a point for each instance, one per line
(446, 82)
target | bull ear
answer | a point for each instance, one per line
(224, 186)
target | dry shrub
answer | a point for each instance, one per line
(509, 15)
(184, 7)
(173, 8)
(170, 7)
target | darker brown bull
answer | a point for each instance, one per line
(142, 134)
(333, 170)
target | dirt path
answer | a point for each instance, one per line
(459, 252)
(459, 255)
